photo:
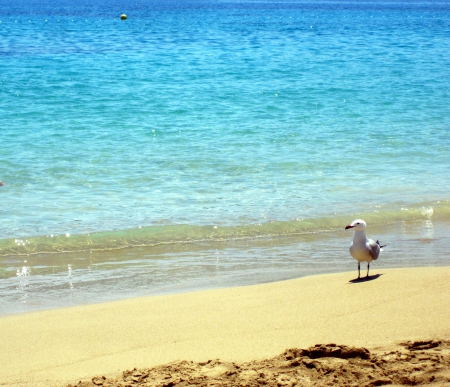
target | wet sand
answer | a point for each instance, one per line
(243, 324)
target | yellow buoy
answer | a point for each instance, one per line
(123, 17)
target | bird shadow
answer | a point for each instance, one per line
(365, 279)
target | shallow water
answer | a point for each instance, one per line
(209, 137)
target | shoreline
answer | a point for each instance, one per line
(66, 280)
(61, 346)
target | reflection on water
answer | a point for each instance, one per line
(58, 280)
(69, 277)
(24, 282)
(427, 224)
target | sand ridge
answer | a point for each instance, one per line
(412, 363)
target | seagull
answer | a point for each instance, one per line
(362, 248)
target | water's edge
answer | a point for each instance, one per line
(46, 281)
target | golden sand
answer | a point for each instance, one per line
(57, 347)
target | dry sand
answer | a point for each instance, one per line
(250, 325)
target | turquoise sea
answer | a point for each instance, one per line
(202, 144)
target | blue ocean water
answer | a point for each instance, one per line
(197, 130)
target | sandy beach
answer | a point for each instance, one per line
(236, 325)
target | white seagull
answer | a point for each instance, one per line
(362, 248)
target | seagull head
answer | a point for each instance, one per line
(358, 225)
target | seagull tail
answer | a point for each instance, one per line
(378, 243)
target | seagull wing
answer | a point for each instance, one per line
(374, 249)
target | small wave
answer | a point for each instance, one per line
(184, 234)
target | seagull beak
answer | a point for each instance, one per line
(349, 227)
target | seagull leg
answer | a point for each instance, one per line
(359, 271)
(368, 264)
